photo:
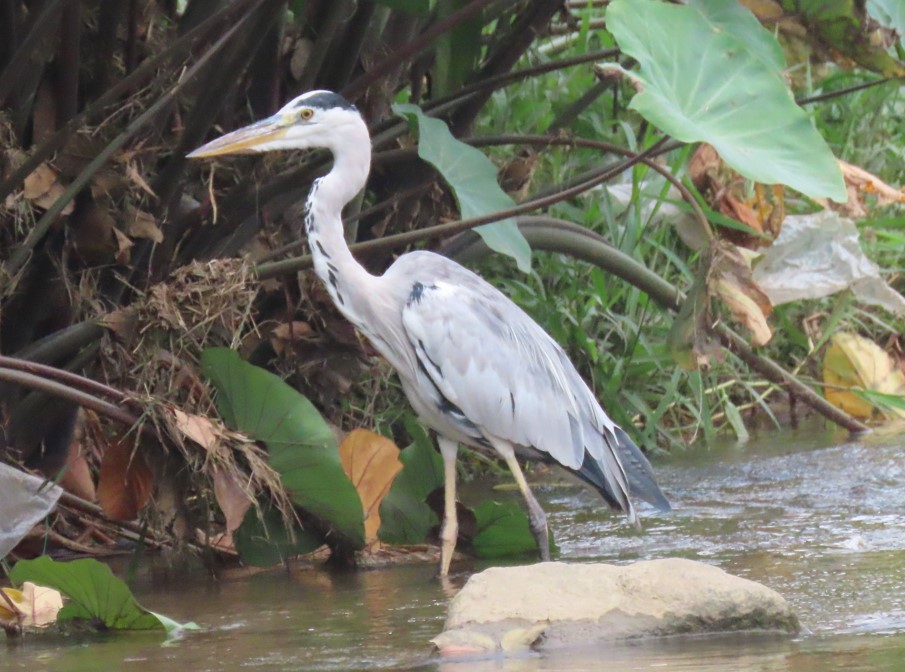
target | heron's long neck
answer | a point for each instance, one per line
(348, 283)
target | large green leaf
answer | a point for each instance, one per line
(95, 594)
(405, 517)
(707, 75)
(502, 531)
(300, 445)
(472, 177)
(264, 541)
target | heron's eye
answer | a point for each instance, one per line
(306, 113)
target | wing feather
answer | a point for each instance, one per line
(508, 376)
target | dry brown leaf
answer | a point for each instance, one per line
(198, 428)
(123, 244)
(77, 477)
(740, 211)
(371, 462)
(123, 323)
(730, 279)
(859, 182)
(141, 224)
(854, 361)
(39, 182)
(125, 481)
(134, 175)
(43, 189)
(292, 331)
(233, 500)
(37, 605)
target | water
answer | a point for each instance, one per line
(822, 522)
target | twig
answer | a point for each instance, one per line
(276, 268)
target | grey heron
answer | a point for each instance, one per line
(474, 366)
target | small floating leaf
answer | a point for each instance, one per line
(95, 594)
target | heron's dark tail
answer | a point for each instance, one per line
(641, 481)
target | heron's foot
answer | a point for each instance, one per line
(538, 525)
(448, 535)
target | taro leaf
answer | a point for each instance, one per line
(405, 515)
(706, 76)
(264, 541)
(300, 445)
(472, 177)
(503, 531)
(95, 594)
(371, 462)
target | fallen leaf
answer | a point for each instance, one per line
(233, 500)
(198, 428)
(135, 176)
(39, 182)
(122, 322)
(371, 462)
(37, 605)
(860, 182)
(43, 189)
(124, 244)
(852, 361)
(77, 477)
(141, 224)
(125, 481)
(292, 331)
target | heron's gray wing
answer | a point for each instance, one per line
(508, 377)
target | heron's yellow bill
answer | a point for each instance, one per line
(245, 140)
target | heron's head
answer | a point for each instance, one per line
(317, 119)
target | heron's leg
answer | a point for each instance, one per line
(536, 516)
(449, 531)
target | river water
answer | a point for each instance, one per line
(814, 515)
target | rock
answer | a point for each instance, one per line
(555, 604)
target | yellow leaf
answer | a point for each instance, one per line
(371, 462)
(852, 361)
(37, 605)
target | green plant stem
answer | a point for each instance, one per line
(295, 264)
(64, 343)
